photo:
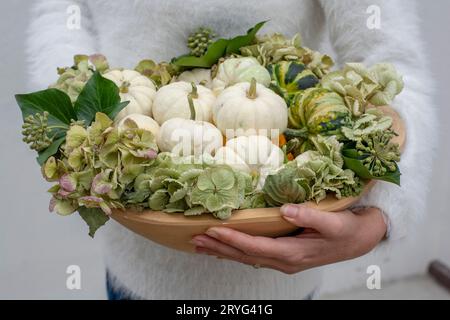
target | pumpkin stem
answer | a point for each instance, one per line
(124, 87)
(194, 92)
(251, 94)
(191, 107)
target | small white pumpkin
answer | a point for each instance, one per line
(198, 76)
(249, 109)
(255, 155)
(140, 121)
(135, 88)
(187, 137)
(236, 70)
(171, 101)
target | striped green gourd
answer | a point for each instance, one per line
(290, 78)
(320, 111)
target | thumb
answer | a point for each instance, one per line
(305, 217)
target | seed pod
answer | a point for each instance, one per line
(199, 41)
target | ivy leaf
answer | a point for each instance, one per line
(98, 95)
(50, 151)
(55, 102)
(242, 41)
(215, 51)
(218, 49)
(94, 217)
(60, 113)
(353, 162)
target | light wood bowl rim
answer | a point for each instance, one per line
(252, 216)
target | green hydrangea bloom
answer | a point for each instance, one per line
(72, 80)
(361, 86)
(312, 176)
(274, 48)
(98, 165)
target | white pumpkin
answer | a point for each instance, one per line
(236, 70)
(198, 76)
(255, 155)
(140, 121)
(171, 101)
(249, 109)
(187, 137)
(135, 88)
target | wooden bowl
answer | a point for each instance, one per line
(175, 230)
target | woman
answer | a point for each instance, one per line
(127, 32)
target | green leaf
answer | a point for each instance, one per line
(54, 101)
(242, 41)
(50, 151)
(352, 162)
(94, 217)
(215, 51)
(98, 95)
(60, 113)
(218, 49)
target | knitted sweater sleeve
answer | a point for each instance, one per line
(357, 37)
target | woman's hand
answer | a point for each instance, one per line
(328, 237)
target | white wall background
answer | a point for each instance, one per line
(36, 247)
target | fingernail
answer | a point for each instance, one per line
(289, 211)
(212, 233)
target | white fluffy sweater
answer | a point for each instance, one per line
(128, 31)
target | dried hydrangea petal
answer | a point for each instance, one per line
(50, 169)
(68, 183)
(63, 207)
(76, 136)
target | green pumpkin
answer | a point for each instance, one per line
(291, 78)
(320, 111)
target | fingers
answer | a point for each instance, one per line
(205, 242)
(302, 216)
(250, 245)
(210, 246)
